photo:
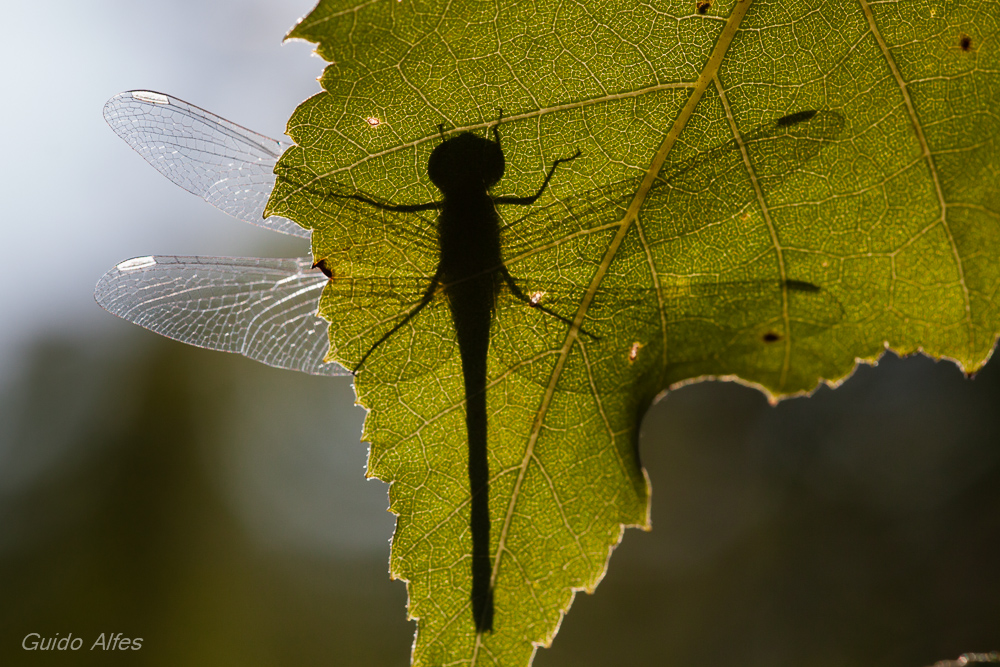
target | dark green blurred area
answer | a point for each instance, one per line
(859, 527)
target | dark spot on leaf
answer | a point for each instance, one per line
(771, 337)
(797, 117)
(323, 266)
(801, 286)
(965, 42)
(703, 6)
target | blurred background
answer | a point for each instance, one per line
(218, 509)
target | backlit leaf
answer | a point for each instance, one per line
(876, 221)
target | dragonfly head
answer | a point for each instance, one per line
(466, 163)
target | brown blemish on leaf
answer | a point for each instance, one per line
(703, 6)
(965, 42)
(324, 266)
(771, 337)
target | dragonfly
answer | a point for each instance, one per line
(267, 309)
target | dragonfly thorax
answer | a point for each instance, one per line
(468, 237)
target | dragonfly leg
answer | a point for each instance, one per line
(521, 296)
(402, 208)
(428, 295)
(304, 178)
(527, 201)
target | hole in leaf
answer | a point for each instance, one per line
(771, 337)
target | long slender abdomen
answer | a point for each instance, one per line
(472, 311)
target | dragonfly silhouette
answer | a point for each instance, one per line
(266, 309)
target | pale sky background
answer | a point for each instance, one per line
(78, 200)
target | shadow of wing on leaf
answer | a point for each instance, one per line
(353, 237)
(683, 329)
(708, 188)
(725, 314)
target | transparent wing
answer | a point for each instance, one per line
(696, 192)
(264, 309)
(739, 306)
(681, 330)
(385, 237)
(228, 166)
(703, 319)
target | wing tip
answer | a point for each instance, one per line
(111, 107)
(106, 288)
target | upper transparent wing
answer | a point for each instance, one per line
(228, 166)
(707, 188)
(264, 309)
(404, 240)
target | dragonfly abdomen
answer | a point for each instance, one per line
(472, 303)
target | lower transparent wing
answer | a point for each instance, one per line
(683, 329)
(697, 326)
(264, 309)
(228, 166)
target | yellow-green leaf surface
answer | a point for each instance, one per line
(695, 236)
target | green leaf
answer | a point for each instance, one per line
(695, 237)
